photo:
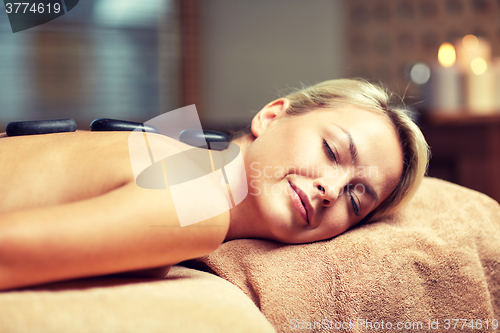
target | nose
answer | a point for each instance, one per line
(329, 188)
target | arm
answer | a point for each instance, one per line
(129, 228)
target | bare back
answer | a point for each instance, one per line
(69, 207)
(46, 170)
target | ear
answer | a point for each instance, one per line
(269, 113)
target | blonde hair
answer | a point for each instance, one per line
(329, 94)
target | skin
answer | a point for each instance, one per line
(69, 205)
(284, 149)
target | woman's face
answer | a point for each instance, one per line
(314, 175)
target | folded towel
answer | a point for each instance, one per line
(436, 261)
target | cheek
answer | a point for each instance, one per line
(266, 180)
(337, 222)
(265, 162)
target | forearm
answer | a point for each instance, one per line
(127, 229)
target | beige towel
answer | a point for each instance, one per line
(186, 301)
(437, 261)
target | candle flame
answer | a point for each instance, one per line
(447, 55)
(478, 66)
(470, 42)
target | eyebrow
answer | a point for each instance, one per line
(353, 151)
(369, 189)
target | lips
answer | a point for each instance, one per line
(301, 203)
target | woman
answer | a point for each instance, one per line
(318, 162)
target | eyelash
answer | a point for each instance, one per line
(330, 152)
(334, 158)
(354, 204)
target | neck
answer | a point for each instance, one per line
(240, 225)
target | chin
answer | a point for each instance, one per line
(284, 232)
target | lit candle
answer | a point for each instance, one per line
(481, 87)
(474, 59)
(446, 82)
(471, 47)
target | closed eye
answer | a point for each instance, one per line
(330, 152)
(355, 206)
(332, 155)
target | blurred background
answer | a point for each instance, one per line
(134, 60)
